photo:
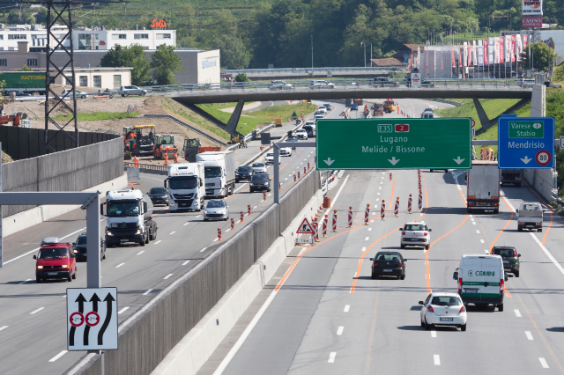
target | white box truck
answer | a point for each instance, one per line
(128, 218)
(185, 184)
(529, 216)
(219, 172)
(483, 187)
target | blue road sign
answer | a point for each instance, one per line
(526, 143)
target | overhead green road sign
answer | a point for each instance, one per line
(394, 143)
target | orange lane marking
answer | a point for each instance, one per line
(549, 209)
(504, 228)
(437, 240)
(289, 271)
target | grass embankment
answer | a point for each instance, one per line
(249, 122)
(189, 115)
(493, 108)
(97, 116)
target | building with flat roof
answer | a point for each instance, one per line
(94, 38)
(200, 66)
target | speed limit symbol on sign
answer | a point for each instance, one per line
(543, 157)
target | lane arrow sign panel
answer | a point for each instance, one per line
(92, 319)
(394, 143)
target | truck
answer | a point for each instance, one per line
(511, 176)
(220, 172)
(483, 186)
(128, 218)
(529, 216)
(278, 122)
(185, 184)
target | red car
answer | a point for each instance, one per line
(55, 261)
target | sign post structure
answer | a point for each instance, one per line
(526, 143)
(92, 319)
(395, 143)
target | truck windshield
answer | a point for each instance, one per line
(212, 172)
(123, 208)
(183, 182)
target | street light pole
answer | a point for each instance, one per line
(312, 53)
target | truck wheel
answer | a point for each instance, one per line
(500, 307)
(496, 211)
(519, 229)
(148, 238)
(540, 230)
(142, 242)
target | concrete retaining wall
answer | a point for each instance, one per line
(146, 337)
(76, 169)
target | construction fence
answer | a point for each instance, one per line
(146, 338)
(71, 170)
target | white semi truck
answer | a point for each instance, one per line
(185, 184)
(128, 218)
(220, 172)
(483, 187)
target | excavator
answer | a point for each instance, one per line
(15, 118)
(164, 144)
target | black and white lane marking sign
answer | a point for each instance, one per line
(92, 319)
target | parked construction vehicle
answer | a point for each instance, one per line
(139, 139)
(193, 147)
(15, 118)
(164, 144)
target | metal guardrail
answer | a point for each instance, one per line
(147, 167)
(314, 70)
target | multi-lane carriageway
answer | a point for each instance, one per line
(323, 314)
(32, 316)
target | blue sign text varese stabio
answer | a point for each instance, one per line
(526, 142)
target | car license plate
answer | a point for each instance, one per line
(387, 270)
(123, 240)
(446, 319)
(470, 290)
(505, 261)
(52, 273)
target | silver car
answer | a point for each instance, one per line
(259, 167)
(216, 209)
(131, 90)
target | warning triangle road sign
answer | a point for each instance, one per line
(305, 227)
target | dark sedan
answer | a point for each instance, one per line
(244, 172)
(79, 248)
(388, 263)
(259, 182)
(158, 195)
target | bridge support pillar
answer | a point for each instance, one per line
(486, 122)
(231, 127)
(538, 101)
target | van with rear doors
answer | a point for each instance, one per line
(481, 280)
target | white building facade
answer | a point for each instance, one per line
(83, 38)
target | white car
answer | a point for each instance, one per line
(310, 122)
(319, 84)
(270, 158)
(216, 209)
(415, 234)
(301, 134)
(259, 167)
(280, 85)
(443, 309)
(319, 117)
(322, 109)
(286, 151)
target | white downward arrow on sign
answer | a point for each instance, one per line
(458, 160)
(526, 160)
(393, 160)
(329, 161)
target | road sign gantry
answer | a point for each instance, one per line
(394, 143)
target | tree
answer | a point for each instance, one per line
(541, 54)
(25, 68)
(165, 63)
(41, 15)
(131, 57)
(559, 73)
(233, 52)
(242, 77)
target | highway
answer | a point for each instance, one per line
(33, 320)
(322, 313)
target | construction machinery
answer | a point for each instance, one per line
(193, 147)
(377, 110)
(164, 144)
(389, 106)
(15, 118)
(139, 139)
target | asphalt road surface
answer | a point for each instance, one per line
(327, 316)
